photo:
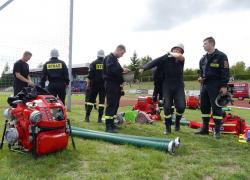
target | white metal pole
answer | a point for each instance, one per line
(5, 4)
(71, 12)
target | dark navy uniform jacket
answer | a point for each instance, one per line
(96, 72)
(215, 68)
(112, 70)
(56, 71)
(172, 68)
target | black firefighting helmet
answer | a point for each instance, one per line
(223, 100)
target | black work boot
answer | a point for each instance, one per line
(87, 118)
(109, 127)
(99, 118)
(100, 113)
(88, 111)
(217, 133)
(168, 129)
(168, 122)
(204, 129)
(177, 125)
(114, 126)
(177, 122)
(217, 129)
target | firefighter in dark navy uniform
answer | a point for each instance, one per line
(214, 76)
(112, 74)
(95, 86)
(158, 81)
(173, 85)
(56, 72)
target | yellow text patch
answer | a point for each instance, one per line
(54, 66)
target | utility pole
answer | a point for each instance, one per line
(71, 12)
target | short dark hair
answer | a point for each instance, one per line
(27, 53)
(210, 40)
(121, 47)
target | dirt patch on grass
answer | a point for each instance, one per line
(230, 167)
(123, 102)
(207, 178)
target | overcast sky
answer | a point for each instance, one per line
(149, 27)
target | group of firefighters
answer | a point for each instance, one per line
(106, 79)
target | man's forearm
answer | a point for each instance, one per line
(20, 77)
(178, 56)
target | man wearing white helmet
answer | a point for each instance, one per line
(95, 86)
(56, 72)
(173, 85)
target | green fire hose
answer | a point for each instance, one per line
(176, 140)
(183, 122)
(164, 146)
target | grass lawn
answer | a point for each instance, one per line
(197, 158)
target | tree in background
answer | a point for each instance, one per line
(147, 75)
(144, 60)
(135, 64)
(238, 69)
(190, 74)
(6, 79)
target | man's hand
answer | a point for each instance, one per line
(30, 83)
(223, 91)
(200, 80)
(88, 84)
(176, 55)
(125, 70)
(141, 71)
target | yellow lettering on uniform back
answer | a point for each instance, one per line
(98, 66)
(54, 66)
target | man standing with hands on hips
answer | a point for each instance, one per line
(112, 74)
(214, 76)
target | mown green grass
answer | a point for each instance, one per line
(197, 158)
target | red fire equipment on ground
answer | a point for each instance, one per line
(146, 104)
(36, 122)
(232, 124)
(193, 102)
(245, 138)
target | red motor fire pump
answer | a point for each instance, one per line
(36, 122)
(146, 104)
(231, 124)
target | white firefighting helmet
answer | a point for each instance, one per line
(100, 53)
(54, 53)
(181, 46)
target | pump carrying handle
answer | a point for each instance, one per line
(70, 132)
(4, 130)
